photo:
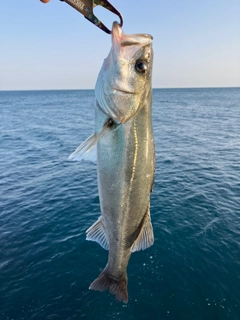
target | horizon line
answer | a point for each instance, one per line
(154, 88)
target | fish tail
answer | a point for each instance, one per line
(115, 287)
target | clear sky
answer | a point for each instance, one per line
(51, 46)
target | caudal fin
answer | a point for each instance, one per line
(116, 287)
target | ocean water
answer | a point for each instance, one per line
(192, 272)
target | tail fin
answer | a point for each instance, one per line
(116, 287)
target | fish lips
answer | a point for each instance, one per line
(120, 41)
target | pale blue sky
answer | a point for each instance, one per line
(51, 46)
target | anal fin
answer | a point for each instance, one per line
(145, 238)
(97, 233)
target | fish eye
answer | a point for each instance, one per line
(141, 66)
(110, 122)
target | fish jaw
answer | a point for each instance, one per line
(120, 89)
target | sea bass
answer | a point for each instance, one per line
(125, 156)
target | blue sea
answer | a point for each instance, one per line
(192, 272)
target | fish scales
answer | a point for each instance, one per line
(125, 156)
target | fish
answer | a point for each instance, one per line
(123, 146)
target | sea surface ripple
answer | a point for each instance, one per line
(47, 202)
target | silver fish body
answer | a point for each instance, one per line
(125, 156)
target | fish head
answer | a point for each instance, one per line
(124, 81)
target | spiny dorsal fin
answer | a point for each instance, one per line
(145, 238)
(97, 233)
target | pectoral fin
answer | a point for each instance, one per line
(88, 149)
(145, 238)
(97, 233)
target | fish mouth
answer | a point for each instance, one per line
(124, 91)
(118, 37)
(126, 46)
